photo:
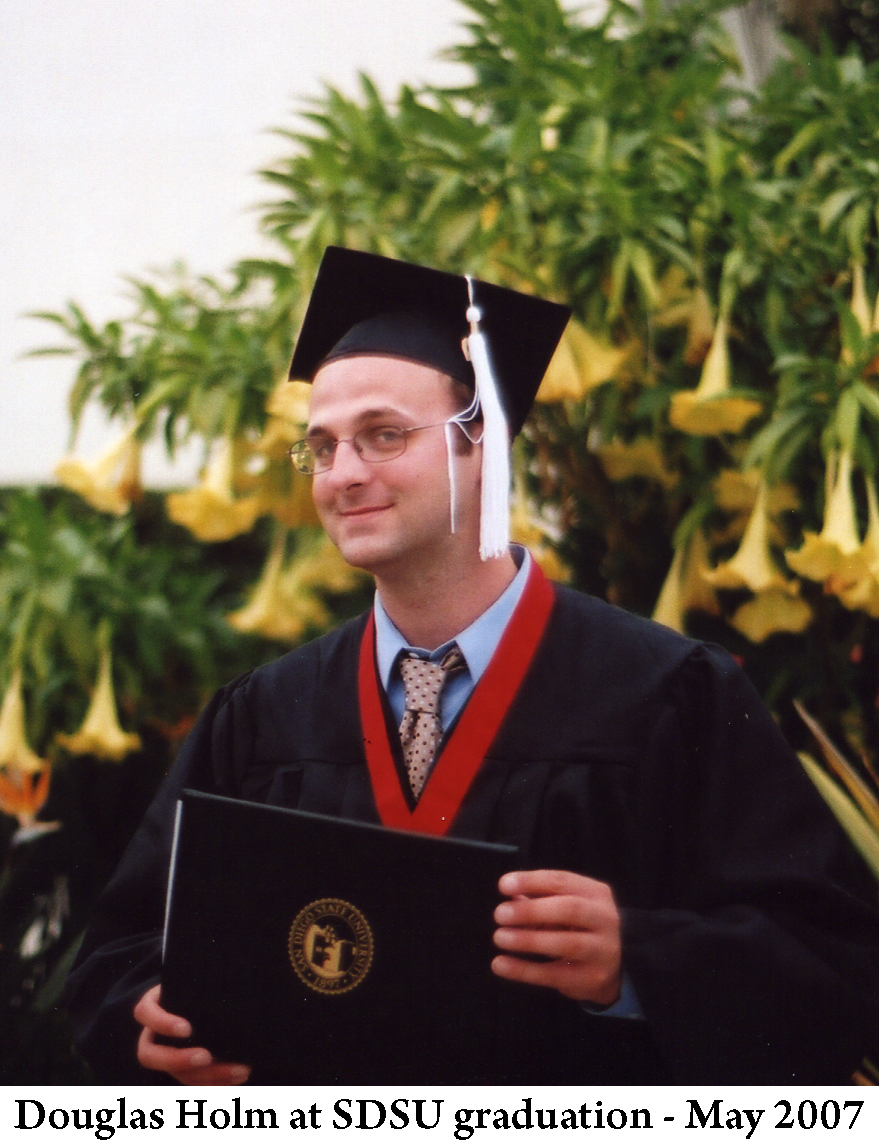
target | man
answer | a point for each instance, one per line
(686, 910)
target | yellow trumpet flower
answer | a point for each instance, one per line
(700, 328)
(736, 491)
(210, 511)
(685, 587)
(641, 458)
(836, 551)
(867, 319)
(670, 609)
(752, 566)
(286, 495)
(675, 301)
(772, 611)
(859, 590)
(100, 734)
(112, 481)
(711, 408)
(24, 776)
(580, 363)
(15, 752)
(287, 408)
(325, 568)
(280, 606)
(290, 400)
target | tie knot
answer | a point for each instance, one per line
(423, 680)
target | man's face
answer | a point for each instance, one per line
(395, 513)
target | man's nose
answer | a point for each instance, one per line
(348, 466)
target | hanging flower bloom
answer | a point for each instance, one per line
(772, 611)
(286, 495)
(836, 551)
(210, 511)
(100, 734)
(280, 606)
(700, 328)
(290, 400)
(110, 483)
(15, 752)
(24, 776)
(737, 490)
(712, 408)
(670, 609)
(580, 363)
(858, 589)
(287, 407)
(685, 587)
(641, 458)
(326, 569)
(681, 304)
(752, 566)
(868, 322)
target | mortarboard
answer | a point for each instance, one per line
(369, 304)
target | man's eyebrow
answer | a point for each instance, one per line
(390, 412)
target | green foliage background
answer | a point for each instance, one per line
(622, 168)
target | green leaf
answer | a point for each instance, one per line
(868, 398)
(804, 139)
(857, 827)
(855, 227)
(766, 440)
(834, 205)
(619, 272)
(642, 266)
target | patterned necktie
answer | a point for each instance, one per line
(420, 729)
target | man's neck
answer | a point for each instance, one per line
(434, 608)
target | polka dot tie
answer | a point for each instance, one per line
(420, 729)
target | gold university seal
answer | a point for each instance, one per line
(330, 946)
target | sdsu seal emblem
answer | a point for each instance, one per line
(330, 946)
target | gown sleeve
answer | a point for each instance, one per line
(752, 944)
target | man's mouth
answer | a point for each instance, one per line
(362, 511)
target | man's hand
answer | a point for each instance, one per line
(570, 921)
(191, 1065)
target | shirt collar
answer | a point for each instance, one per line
(477, 642)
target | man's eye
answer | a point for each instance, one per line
(322, 448)
(385, 437)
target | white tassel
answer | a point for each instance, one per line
(494, 537)
(453, 486)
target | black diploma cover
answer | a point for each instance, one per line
(327, 951)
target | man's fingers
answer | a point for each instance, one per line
(557, 912)
(569, 920)
(578, 980)
(548, 882)
(579, 946)
(190, 1065)
(161, 1057)
(149, 1013)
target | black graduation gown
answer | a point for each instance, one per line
(630, 754)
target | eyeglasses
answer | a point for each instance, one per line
(316, 454)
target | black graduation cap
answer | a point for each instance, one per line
(369, 304)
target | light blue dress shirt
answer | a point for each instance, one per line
(477, 644)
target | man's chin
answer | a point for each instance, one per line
(364, 555)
